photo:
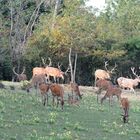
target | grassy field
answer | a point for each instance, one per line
(23, 117)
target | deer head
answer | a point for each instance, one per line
(44, 61)
(112, 70)
(22, 76)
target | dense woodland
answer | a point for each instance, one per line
(31, 29)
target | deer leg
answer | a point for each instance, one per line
(57, 101)
(53, 100)
(110, 100)
(98, 92)
(103, 98)
(62, 103)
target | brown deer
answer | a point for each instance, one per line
(35, 81)
(20, 77)
(111, 91)
(53, 72)
(75, 89)
(104, 74)
(44, 88)
(58, 92)
(125, 106)
(102, 84)
(129, 83)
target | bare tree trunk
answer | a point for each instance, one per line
(75, 67)
(57, 3)
(71, 68)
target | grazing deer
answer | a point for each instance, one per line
(104, 74)
(129, 83)
(125, 106)
(20, 77)
(35, 81)
(111, 91)
(75, 89)
(44, 88)
(58, 92)
(102, 84)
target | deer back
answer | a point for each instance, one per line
(55, 72)
(102, 74)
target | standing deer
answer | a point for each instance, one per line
(44, 88)
(53, 72)
(58, 92)
(20, 77)
(111, 91)
(128, 82)
(102, 84)
(104, 74)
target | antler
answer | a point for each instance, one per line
(44, 61)
(59, 66)
(15, 71)
(106, 64)
(23, 70)
(68, 70)
(132, 69)
(113, 68)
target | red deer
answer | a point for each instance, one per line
(35, 81)
(111, 91)
(104, 74)
(71, 101)
(57, 91)
(129, 83)
(20, 77)
(75, 89)
(38, 71)
(44, 88)
(102, 84)
(53, 72)
(125, 106)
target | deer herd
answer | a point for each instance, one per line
(41, 80)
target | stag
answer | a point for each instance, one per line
(128, 82)
(20, 77)
(53, 72)
(104, 74)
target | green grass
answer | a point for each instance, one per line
(23, 117)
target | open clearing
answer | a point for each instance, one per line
(23, 117)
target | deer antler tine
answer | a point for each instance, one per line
(106, 63)
(23, 70)
(15, 71)
(50, 61)
(132, 69)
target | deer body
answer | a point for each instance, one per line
(54, 72)
(128, 83)
(44, 88)
(125, 106)
(57, 91)
(104, 74)
(38, 71)
(111, 91)
(75, 89)
(102, 84)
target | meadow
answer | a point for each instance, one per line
(23, 117)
